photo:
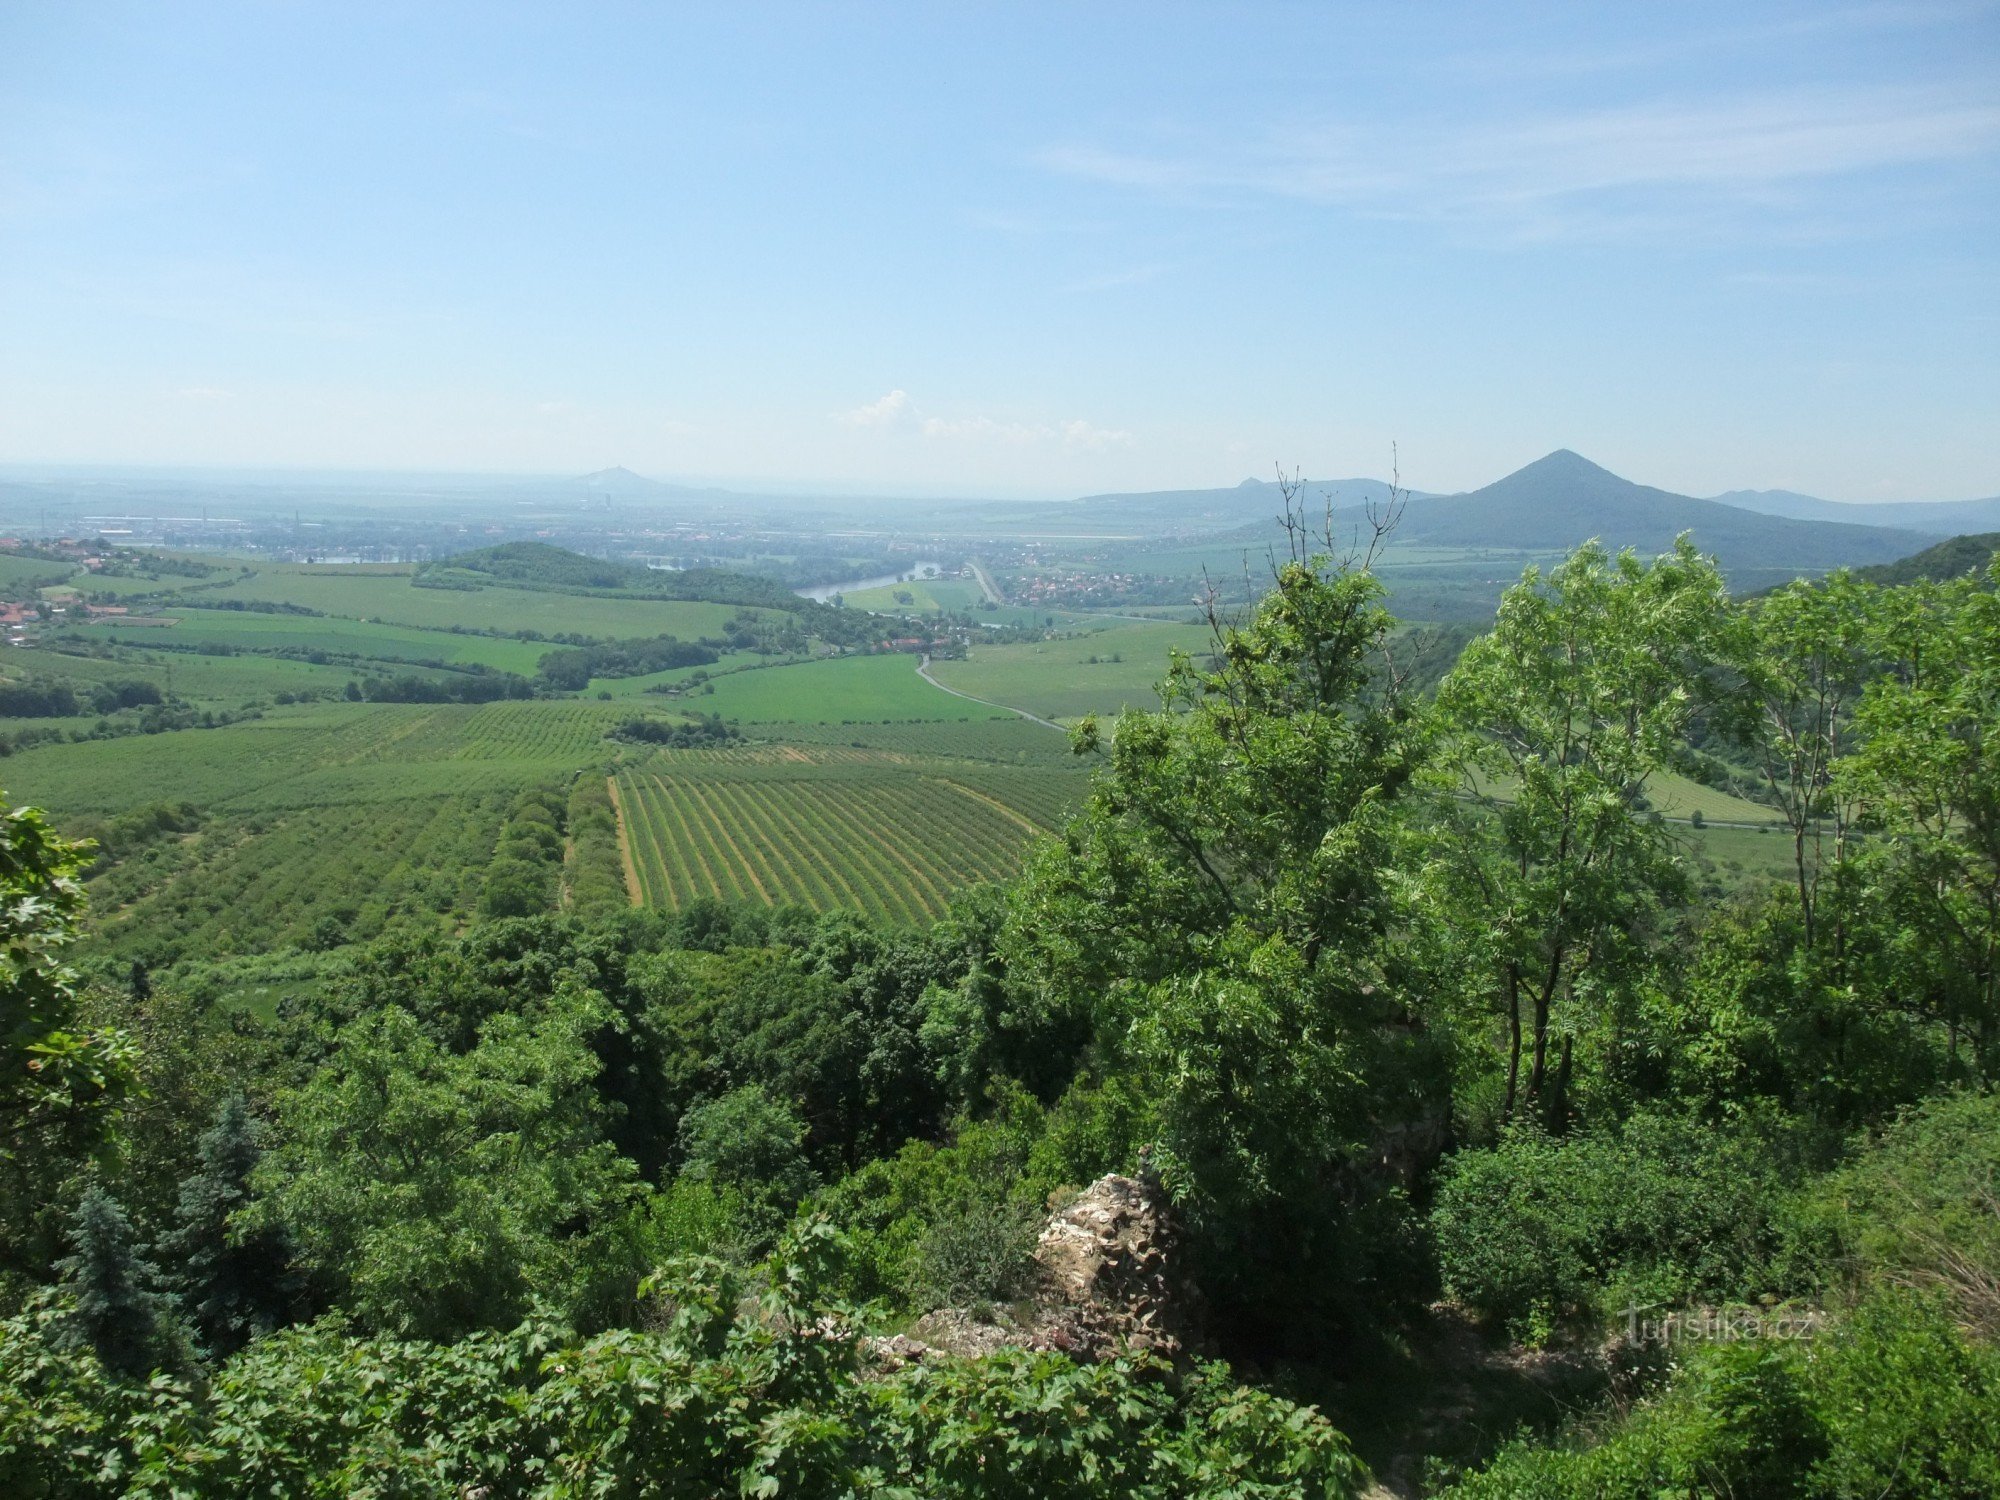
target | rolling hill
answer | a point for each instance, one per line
(1936, 517)
(1562, 499)
(1948, 559)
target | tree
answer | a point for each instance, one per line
(748, 1141)
(1221, 911)
(114, 1312)
(440, 1191)
(58, 1076)
(1584, 688)
(1929, 771)
(1808, 651)
(233, 1283)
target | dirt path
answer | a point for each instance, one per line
(924, 671)
(632, 890)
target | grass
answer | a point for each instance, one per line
(21, 577)
(1058, 680)
(378, 593)
(387, 643)
(207, 681)
(838, 690)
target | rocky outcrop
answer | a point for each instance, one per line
(1106, 1282)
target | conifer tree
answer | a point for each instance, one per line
(232, 1284)
(115, 1314)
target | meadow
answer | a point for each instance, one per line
(385, 594)
(1060, 680)
(839, 690)
(245, 630)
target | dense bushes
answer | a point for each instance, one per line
(1656, 1210)
(1893, 1404)
(727, 1398)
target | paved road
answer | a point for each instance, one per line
(985, 582)
(924, 671)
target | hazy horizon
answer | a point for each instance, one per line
(1024, 253)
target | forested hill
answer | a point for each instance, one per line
(1562, 499)
(1954, 558)
(537, 565)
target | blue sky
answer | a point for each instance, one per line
(1008, 249)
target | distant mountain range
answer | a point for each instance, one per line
(1561, 500)
(1936, 517)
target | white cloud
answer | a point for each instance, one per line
(891, 410)
(897, 410)
(1573, 172)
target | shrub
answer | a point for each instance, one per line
(1662, 1209)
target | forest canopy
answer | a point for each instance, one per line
(1390, 985)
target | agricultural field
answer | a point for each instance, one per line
(322, 754)
(207, 681)
(641, 686)
(839, 690)
(384, 593)
(243, 630)
(311, 877)
(830, 828)
(1066, 679)
(22, 577)
(1004, 741)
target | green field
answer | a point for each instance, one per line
(885, 834)
(1059, 680)
(840, 690)
(22, 577)
(320, 755)
(382, 593)
(248, 631)
(212, 681)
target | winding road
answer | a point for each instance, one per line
(924, 671)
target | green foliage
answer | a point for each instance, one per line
(1929, 769)
(753, 1144)
(1921, 1206)
(1658, 1210)
(1583, 690)
(113, 1311)
(728, 1397)
(1893, 1404)
(232, 1282)
(58, 1074)
(1221, 911)
(439, 1192)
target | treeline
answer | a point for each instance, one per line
(52, 698)
(571, 671)
(471, 686)
(1404, 999)
(687, 734)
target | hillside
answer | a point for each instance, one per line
(1948, 559)
(1253, 502)
(1938, 517)
(537, 565)
(1564, 498)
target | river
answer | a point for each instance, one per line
(825, 591)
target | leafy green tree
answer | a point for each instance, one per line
(1584, 689)
(1221, 912)
(438, 1191)
(1929, 770)
(232, 1283)
(1807, 653)
(59, 1077)
(115, 1313)
(749, 1141)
